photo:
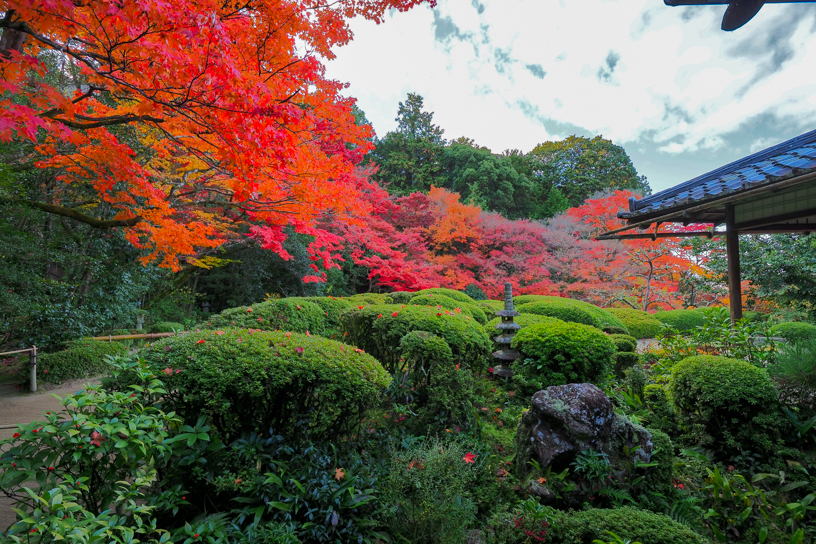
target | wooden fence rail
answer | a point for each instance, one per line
(32, 358)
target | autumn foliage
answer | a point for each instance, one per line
(193, 121)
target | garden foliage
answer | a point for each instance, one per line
(82, 358)
(682, 320)
(794, 331)
(640, 324)
(286, 314)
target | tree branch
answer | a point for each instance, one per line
(75, 215)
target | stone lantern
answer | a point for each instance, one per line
(506, 355)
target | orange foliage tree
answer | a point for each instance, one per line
(186, 123)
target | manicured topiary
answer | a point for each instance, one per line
(606, 319)
(379, 329)
(682, 320)
(524, 320)
(436, 300)
(490, 307)
(246, 381)
(574, 311)
(559, 353)
(422, 350)
(526, 299)
(625, 360)
(616, 330)
(284, 314)
(730, 403)
(332, 308)
(401, 297)
(370, 298)
(450, 293)
(624, 342)
(475, 292)
(640, 324)
(167, 326)
(793, 331)
(81, 359)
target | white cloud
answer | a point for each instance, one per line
(641, 73)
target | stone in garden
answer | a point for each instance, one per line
(567, 419)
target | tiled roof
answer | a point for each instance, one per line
(788, 159)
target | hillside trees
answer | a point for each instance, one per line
(185, 125)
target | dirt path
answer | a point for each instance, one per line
(17, 407)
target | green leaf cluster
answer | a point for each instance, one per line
(794, 331)
(81, 359)
(640, 324)
(567, 309)
(682, 320)
(282, 314)
(434, 299)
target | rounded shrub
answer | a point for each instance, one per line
(659, 477)
(625, 360)
(379, 329)
(628, 523)
(565, 311)
(402, 297)
(167, 326)
(640, 324)
(558, 353)
(526, 299)
(296, 315)
(729, 402)
(624, 342)
(81, 359)
(793, 331)
(490, 307)
(682, 320)
(333, 308)
(602, 319)
(443, 301)
(370, 298)
(450, 293)
(475, 292)
(422, 350)
(252, 381)
(524, 320)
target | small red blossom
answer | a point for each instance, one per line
(395, 314)
(16, 435)
(260, 320)
(490, 369)
(299, 308)
(379, 316)
(249, 310)
(360, 307)
(730, 467)
(439, 315)
(201, 341)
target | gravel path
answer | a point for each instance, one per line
(16, 408)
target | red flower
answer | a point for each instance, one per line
(469, 458)
(35, 430)
(299, 351)
(249, 310)
(50, 469)
(359, 307)
(379, 316)
(201, 341)
(490, 369)
(730, 467)
(260, 320)
(439, 315)
(395, 314)
(298, 307)
(16, 435)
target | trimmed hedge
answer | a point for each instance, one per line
(296, 315)
(250, 381)
(625, 360)
(624, 342)
(370, 298)
(167, 326)
(525, 320)
(332, 308)
(793, 331)
(82, 359)
(490, 307)
(729, 400)
(628, 523)
(467, 308)
(450, 293)
(402, 297)
(575, 311)
(640, 324)
(379, 329)
(682, 320)
(559, 353)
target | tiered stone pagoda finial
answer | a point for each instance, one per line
(506, 355)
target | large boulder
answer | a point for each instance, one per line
(567, 419)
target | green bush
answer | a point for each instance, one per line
(370, 298)
(450, 293)
(474, 292)
(524, 320)
(246, 381)
(794, 371)
(379, 329)
(82, 359)
(421, 351)
(660, 412)
(625, 360)
(731, 403)
(624, 342)
(564, 309)
(333, 308)
(435, 300)
(629, 524)
(794, 331)
(640, 324)
(273, 315)
(167, 326)
(490, 307)
(658, 478)
(602, 319)
(616, 330)
(526, 299)
(402, 297)
(426, 493)
(682, 320)
(560, 353)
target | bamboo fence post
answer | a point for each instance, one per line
(32, 357)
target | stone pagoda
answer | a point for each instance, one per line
(505, 354)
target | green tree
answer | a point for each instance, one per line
(580, 167)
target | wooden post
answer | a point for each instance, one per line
(32, 357)
(732, 252)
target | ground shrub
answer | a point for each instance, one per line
(558, 353)
(624, 342)
(426, 493)
(794, 331)
(640, 324)
(682, 320)
(729, 403)
(526, 299)
(474, 292)
(660, 412)
(490, 307)
(436, 300)
(450, 293)
(82, 359)
(333, 308)
(659, 478)
(167, 326)
(295, 315)
(625, 360)
(629, 524)
(401, 297)
(379, 329)
(370, 298)
(246, 381)
(524, 320)
(565, 311)
(616, 330)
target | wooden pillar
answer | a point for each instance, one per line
(732, 251)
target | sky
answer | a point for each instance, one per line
(679, 94)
